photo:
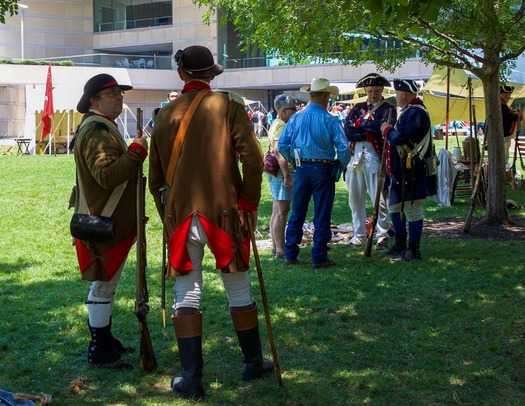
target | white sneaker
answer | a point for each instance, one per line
(356, 242)
(382, 244)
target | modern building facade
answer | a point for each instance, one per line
(135, 40)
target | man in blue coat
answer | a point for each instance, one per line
(412, 169)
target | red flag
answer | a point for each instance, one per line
(48, 106)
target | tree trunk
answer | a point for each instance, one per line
(496, 191)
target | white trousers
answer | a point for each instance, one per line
(413, 210)
(188, 287)
(360, 181)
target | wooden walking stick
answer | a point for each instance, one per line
(264, 300)
(380, 179)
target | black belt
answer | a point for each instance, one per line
(318, 161)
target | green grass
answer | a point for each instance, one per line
(445, 330)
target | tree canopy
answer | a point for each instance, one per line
(7, 6)
(481, 36)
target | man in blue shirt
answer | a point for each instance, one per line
(311, 139)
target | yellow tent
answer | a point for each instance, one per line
(63, 126)
(435, 90)
(458, 109)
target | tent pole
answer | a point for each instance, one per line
(447, 107)
(68, 130)
(471, 144)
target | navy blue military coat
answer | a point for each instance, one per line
(412, 126)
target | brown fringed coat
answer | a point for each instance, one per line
(207, 178)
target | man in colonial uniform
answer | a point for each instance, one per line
(509, 117)
(362, 129)
(412, 169)
(104, 163)
(208, 203)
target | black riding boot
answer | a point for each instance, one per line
(247, 327)
(399, 246)
(188, 330)
(101, 351)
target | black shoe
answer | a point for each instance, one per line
(250, 372)
(187, 391)
(101, 351)
(407, 255)
(290, 261)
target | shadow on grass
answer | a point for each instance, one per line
(415, 333)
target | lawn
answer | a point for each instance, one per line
(441, 331)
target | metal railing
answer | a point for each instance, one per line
(128, 61)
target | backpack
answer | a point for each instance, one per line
(255, 118)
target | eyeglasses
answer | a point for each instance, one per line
(376, 92)
(113, 93)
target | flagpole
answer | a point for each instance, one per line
(48, 108)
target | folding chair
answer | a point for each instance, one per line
(519, 149)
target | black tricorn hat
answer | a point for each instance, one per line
(197, 61)
(506, 89)
(372, 79)
(96, 84)
(406, 85)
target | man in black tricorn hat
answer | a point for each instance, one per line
(412, 169)
(509, 117)
(362, 129)
(208, 203)
(106, 170)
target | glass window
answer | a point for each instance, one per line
(112, 15)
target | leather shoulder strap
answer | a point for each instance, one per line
(181, 134)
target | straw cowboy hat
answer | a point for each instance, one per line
(321, 85)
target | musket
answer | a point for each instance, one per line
(475, 191)
(148, 362)
(264, 300)
(379, 191)
(163, 197)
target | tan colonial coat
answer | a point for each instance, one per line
(207, 178)
(103, 162)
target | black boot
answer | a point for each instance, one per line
(246, 325)
(188, 330)
(101, 351)
(409, 254)
(399, 246)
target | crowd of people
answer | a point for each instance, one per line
(379, 150)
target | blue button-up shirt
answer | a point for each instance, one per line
(318, 135)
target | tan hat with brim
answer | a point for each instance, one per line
(321, 85)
